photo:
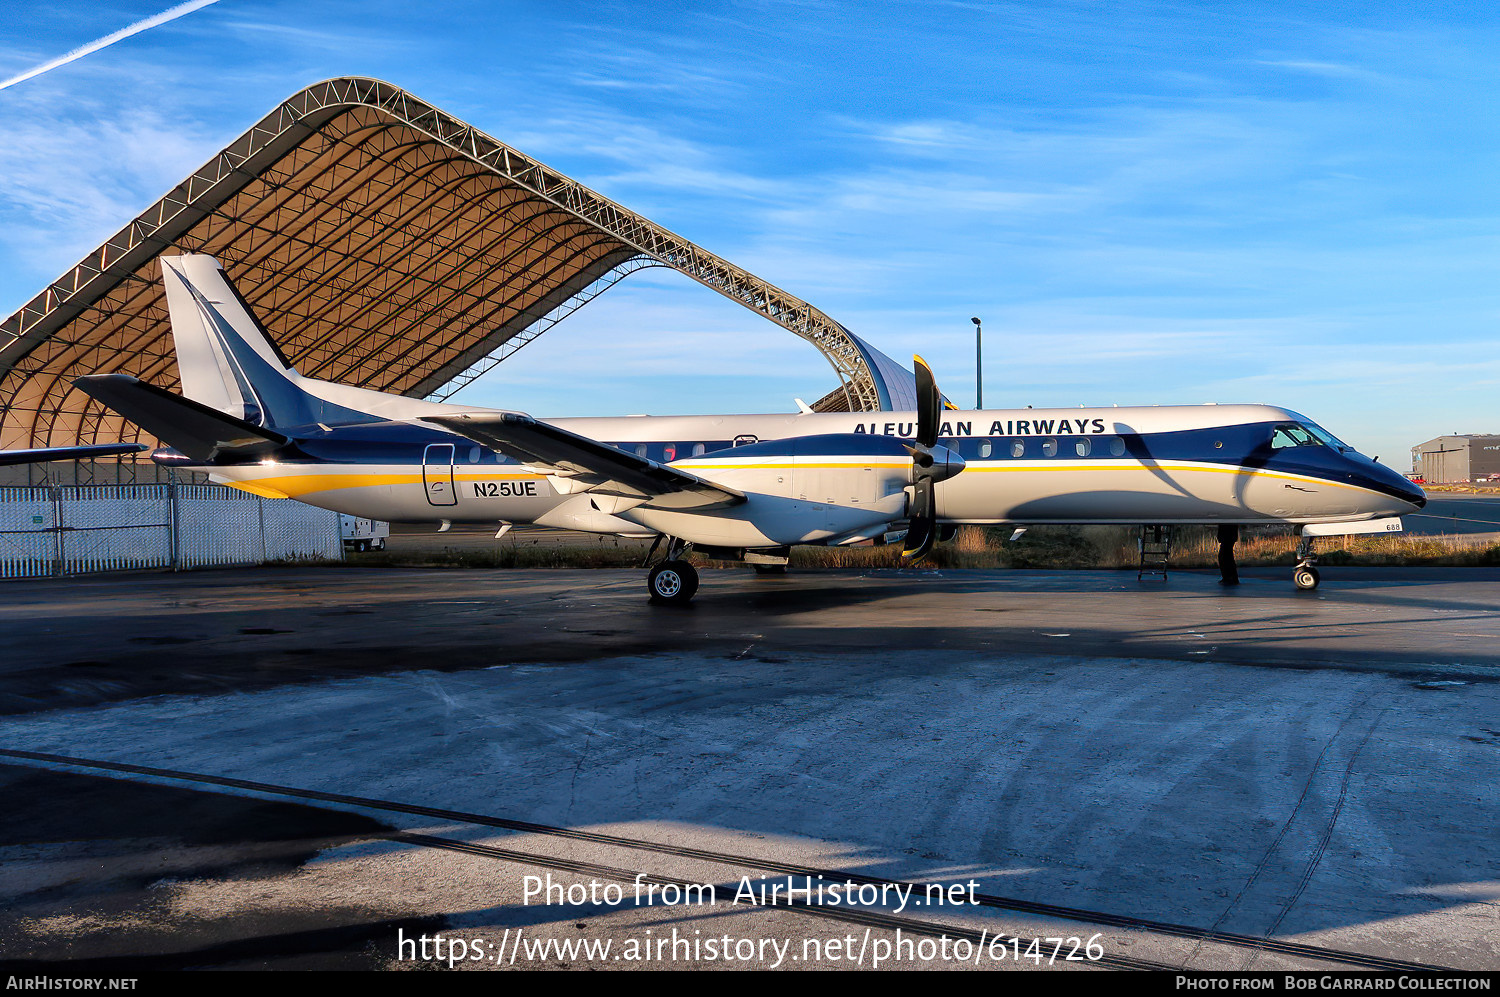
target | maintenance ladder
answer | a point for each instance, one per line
(1156, 549)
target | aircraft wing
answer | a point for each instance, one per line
(579, 464)
(8, 457)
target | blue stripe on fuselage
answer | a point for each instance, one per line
(1236, 446)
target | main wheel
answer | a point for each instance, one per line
(1305, 577)
(672, 583)
(769, 569)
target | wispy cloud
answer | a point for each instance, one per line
(634, 154)
(170, 14)
(67, 186)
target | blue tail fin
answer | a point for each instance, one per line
(226, 359)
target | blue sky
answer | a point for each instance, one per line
(1146, 202)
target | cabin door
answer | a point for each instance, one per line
(437, 474)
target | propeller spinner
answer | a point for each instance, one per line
(930, 464)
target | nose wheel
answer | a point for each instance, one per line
(1304, 575)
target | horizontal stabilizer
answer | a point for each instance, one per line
(596, 467)
(191, 427)
(9, 457)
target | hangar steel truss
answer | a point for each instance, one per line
(384, 244)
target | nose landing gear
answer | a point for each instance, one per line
(1304, 575)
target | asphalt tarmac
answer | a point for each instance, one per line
(315, 767)
(1459, 513)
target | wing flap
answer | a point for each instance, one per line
(585, 465)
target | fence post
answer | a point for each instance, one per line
(172, 558)
(58, 564)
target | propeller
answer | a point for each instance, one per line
(930, 464)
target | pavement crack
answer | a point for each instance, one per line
(578, 768)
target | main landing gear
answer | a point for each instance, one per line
(673, 581)
(1304, 575)
(1229, 572)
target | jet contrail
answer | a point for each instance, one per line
(171, 14)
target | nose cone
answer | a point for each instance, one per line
(1398, 486)
(1411, 492)
(945, 463)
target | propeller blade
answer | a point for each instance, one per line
(922, 528)
(929, 404)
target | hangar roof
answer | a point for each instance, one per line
(384, 244)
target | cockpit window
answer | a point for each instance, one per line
(1291, 435)
(1304, 434)
(1325, 437)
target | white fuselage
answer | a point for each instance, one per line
(1070, 468)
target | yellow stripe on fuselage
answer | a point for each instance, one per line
(1225, 469)
(255, 488)
(297, 485)
(861, 464)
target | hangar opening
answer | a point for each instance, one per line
(384, 244)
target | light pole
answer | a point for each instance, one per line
(978, 364)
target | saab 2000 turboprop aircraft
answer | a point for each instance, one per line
(737, 487)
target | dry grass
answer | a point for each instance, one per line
(1193, 547)
(1483, 489)
(1374, 549)
(1057, 547)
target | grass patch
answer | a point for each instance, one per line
(1051, 547)
(987, 547)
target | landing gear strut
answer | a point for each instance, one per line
(673, 581)
(1304, 575)
(1229, 572)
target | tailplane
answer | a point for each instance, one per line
(199, 431)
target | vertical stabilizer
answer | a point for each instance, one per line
(224, 356)
(229, 363)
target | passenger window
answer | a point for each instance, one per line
(640, 449)
(1083, 447)
(1116, 446)
(1018, 448)
(698, 449)
(1049, 447)
(474, 455)
(670, 453)
(740, 441)
(986, 448)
